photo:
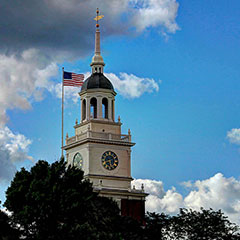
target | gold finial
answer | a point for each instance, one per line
(98, 17)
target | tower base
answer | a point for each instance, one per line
(131, 202)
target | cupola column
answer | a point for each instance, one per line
(99, 107)
(87, 108)
(113, 110)
(110, 109)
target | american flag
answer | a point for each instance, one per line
(73, 79)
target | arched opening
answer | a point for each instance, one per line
(105, 108)
(83, 109)
(93, 107)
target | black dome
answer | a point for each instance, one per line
(97, 80)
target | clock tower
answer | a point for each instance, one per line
(98, 147)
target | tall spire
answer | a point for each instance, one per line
(97, 63)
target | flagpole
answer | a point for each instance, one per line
(62, 108)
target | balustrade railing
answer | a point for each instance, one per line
(99, 135)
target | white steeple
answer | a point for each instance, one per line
(97, 63)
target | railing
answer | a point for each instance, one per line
(98, 135)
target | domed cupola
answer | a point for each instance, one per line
(97, 80)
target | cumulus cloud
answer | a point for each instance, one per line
(234, 136)
(64, 27)
(154, 13)
(13, 149)
(132, 86)
(159, 200)
(217, 192)
(70, 93)
(22, 79)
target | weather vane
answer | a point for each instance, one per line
(98, 17)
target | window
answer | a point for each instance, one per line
(83, 109)
(105, 108)
(93, 106)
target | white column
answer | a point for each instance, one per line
(110, 108)
(87, 108)
(99, 107)
(81, 110)
(113, 110)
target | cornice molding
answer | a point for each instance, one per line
(95, 140)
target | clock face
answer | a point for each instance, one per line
(109, 160)
(78, 160)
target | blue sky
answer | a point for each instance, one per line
(183, 56)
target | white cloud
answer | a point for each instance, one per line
(187, 184)
(70, 93)
(152, 187)
(128, 85)
(131, 86)
(159, 200)
(217, 192)
(234, 136)
(155, 13)
(23, 78)
(13, 149)
(48, 19)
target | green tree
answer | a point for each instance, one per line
(130, 229)
(55, 202)
(6, 230)
(203, 224)
(190, 225)
(157, 226)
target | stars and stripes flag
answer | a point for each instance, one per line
(72, 79)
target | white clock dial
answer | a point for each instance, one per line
(78, 160)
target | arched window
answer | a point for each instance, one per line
(83, 109)
(105, 108)
(93, 104)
